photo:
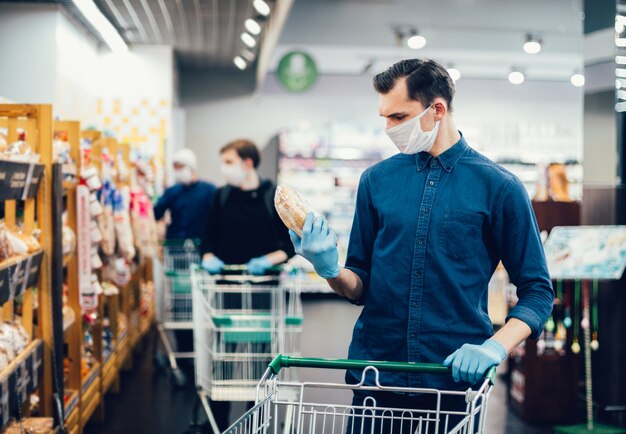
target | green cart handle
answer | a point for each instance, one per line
(284, 361)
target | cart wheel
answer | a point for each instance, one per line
(178, 378)
(160, 361)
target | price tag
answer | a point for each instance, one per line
(4, 401)
(88, 299)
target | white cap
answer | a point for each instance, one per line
(186, 157)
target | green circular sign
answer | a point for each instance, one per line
(297, 71)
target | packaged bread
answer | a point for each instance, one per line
(291, 207)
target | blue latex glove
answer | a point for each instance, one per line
(470, 362)
(213, 265)
(258, 266)
(318, 245)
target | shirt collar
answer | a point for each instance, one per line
(447, 160)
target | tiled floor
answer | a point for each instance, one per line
(150, 404)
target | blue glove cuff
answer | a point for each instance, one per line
(497, 347)
(329, 274)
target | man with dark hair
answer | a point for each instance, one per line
(243, 227)
(430, 227)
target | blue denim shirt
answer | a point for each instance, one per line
(427, 236)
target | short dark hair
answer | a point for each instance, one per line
(245, 149)
(425, 80)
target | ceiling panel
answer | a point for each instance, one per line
(204, 33)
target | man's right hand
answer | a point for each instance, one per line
(212, 264)
(318, 245)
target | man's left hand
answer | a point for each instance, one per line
(470, 362)
(258, 266)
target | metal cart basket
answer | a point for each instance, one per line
(241, 322)
(285, 406)
(174, 304)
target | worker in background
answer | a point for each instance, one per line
(243, 228)
(188, 201)
(431, 225)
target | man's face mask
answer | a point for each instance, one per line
(183, 175)
(234, 174)
(409, 137)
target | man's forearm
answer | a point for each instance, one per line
(513, 333)
(347, 284)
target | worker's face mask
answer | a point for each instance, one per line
(409, 137)
(235, 174)
(183, 176)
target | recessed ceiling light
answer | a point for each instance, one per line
(240, 63)
(252, 26)
(577, 80)
(416, 42)
(248, 40)
(455, 74)
(248, 55)
(516, 77)
(532, 44)
(261, 7)
(103, 26)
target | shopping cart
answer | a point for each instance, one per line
(283, 405)
(174, 304)
(241, 322)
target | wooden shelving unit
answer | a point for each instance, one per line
(25, 193)
(72, 332)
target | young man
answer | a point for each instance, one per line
(188, 201)
(430, 227)
(243, 227)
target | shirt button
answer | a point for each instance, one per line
(431, 183)
(420, 241)
(414, 305)
(426, 210)
(418, 273)
(433, 163)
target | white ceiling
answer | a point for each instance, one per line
(482, 38)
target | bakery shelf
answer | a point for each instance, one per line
(18, 180)
(22, 274)
(90, 379)
(91, 394)
(68, 321)
(109, 371)
(72, 409)
(21, 376)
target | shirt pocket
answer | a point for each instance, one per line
(460, 232)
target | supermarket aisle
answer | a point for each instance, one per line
(149, 404)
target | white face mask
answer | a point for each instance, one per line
(409, 136)
(183, 176)
(234, 174)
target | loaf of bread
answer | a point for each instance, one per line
(291, 207)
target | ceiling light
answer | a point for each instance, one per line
(416, 42)
(516, 77)
(248, 55)
(577, 80)
(620, 72)
(619, 27)
(252, 26)
(621, 94)
(620, 42)
(618, 83)
(103, 26)
(248, 40)
(532, 44)
(240, 63)
(620, 60)
(455, 74)
(261, 7)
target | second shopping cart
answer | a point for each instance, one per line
(241, 322)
